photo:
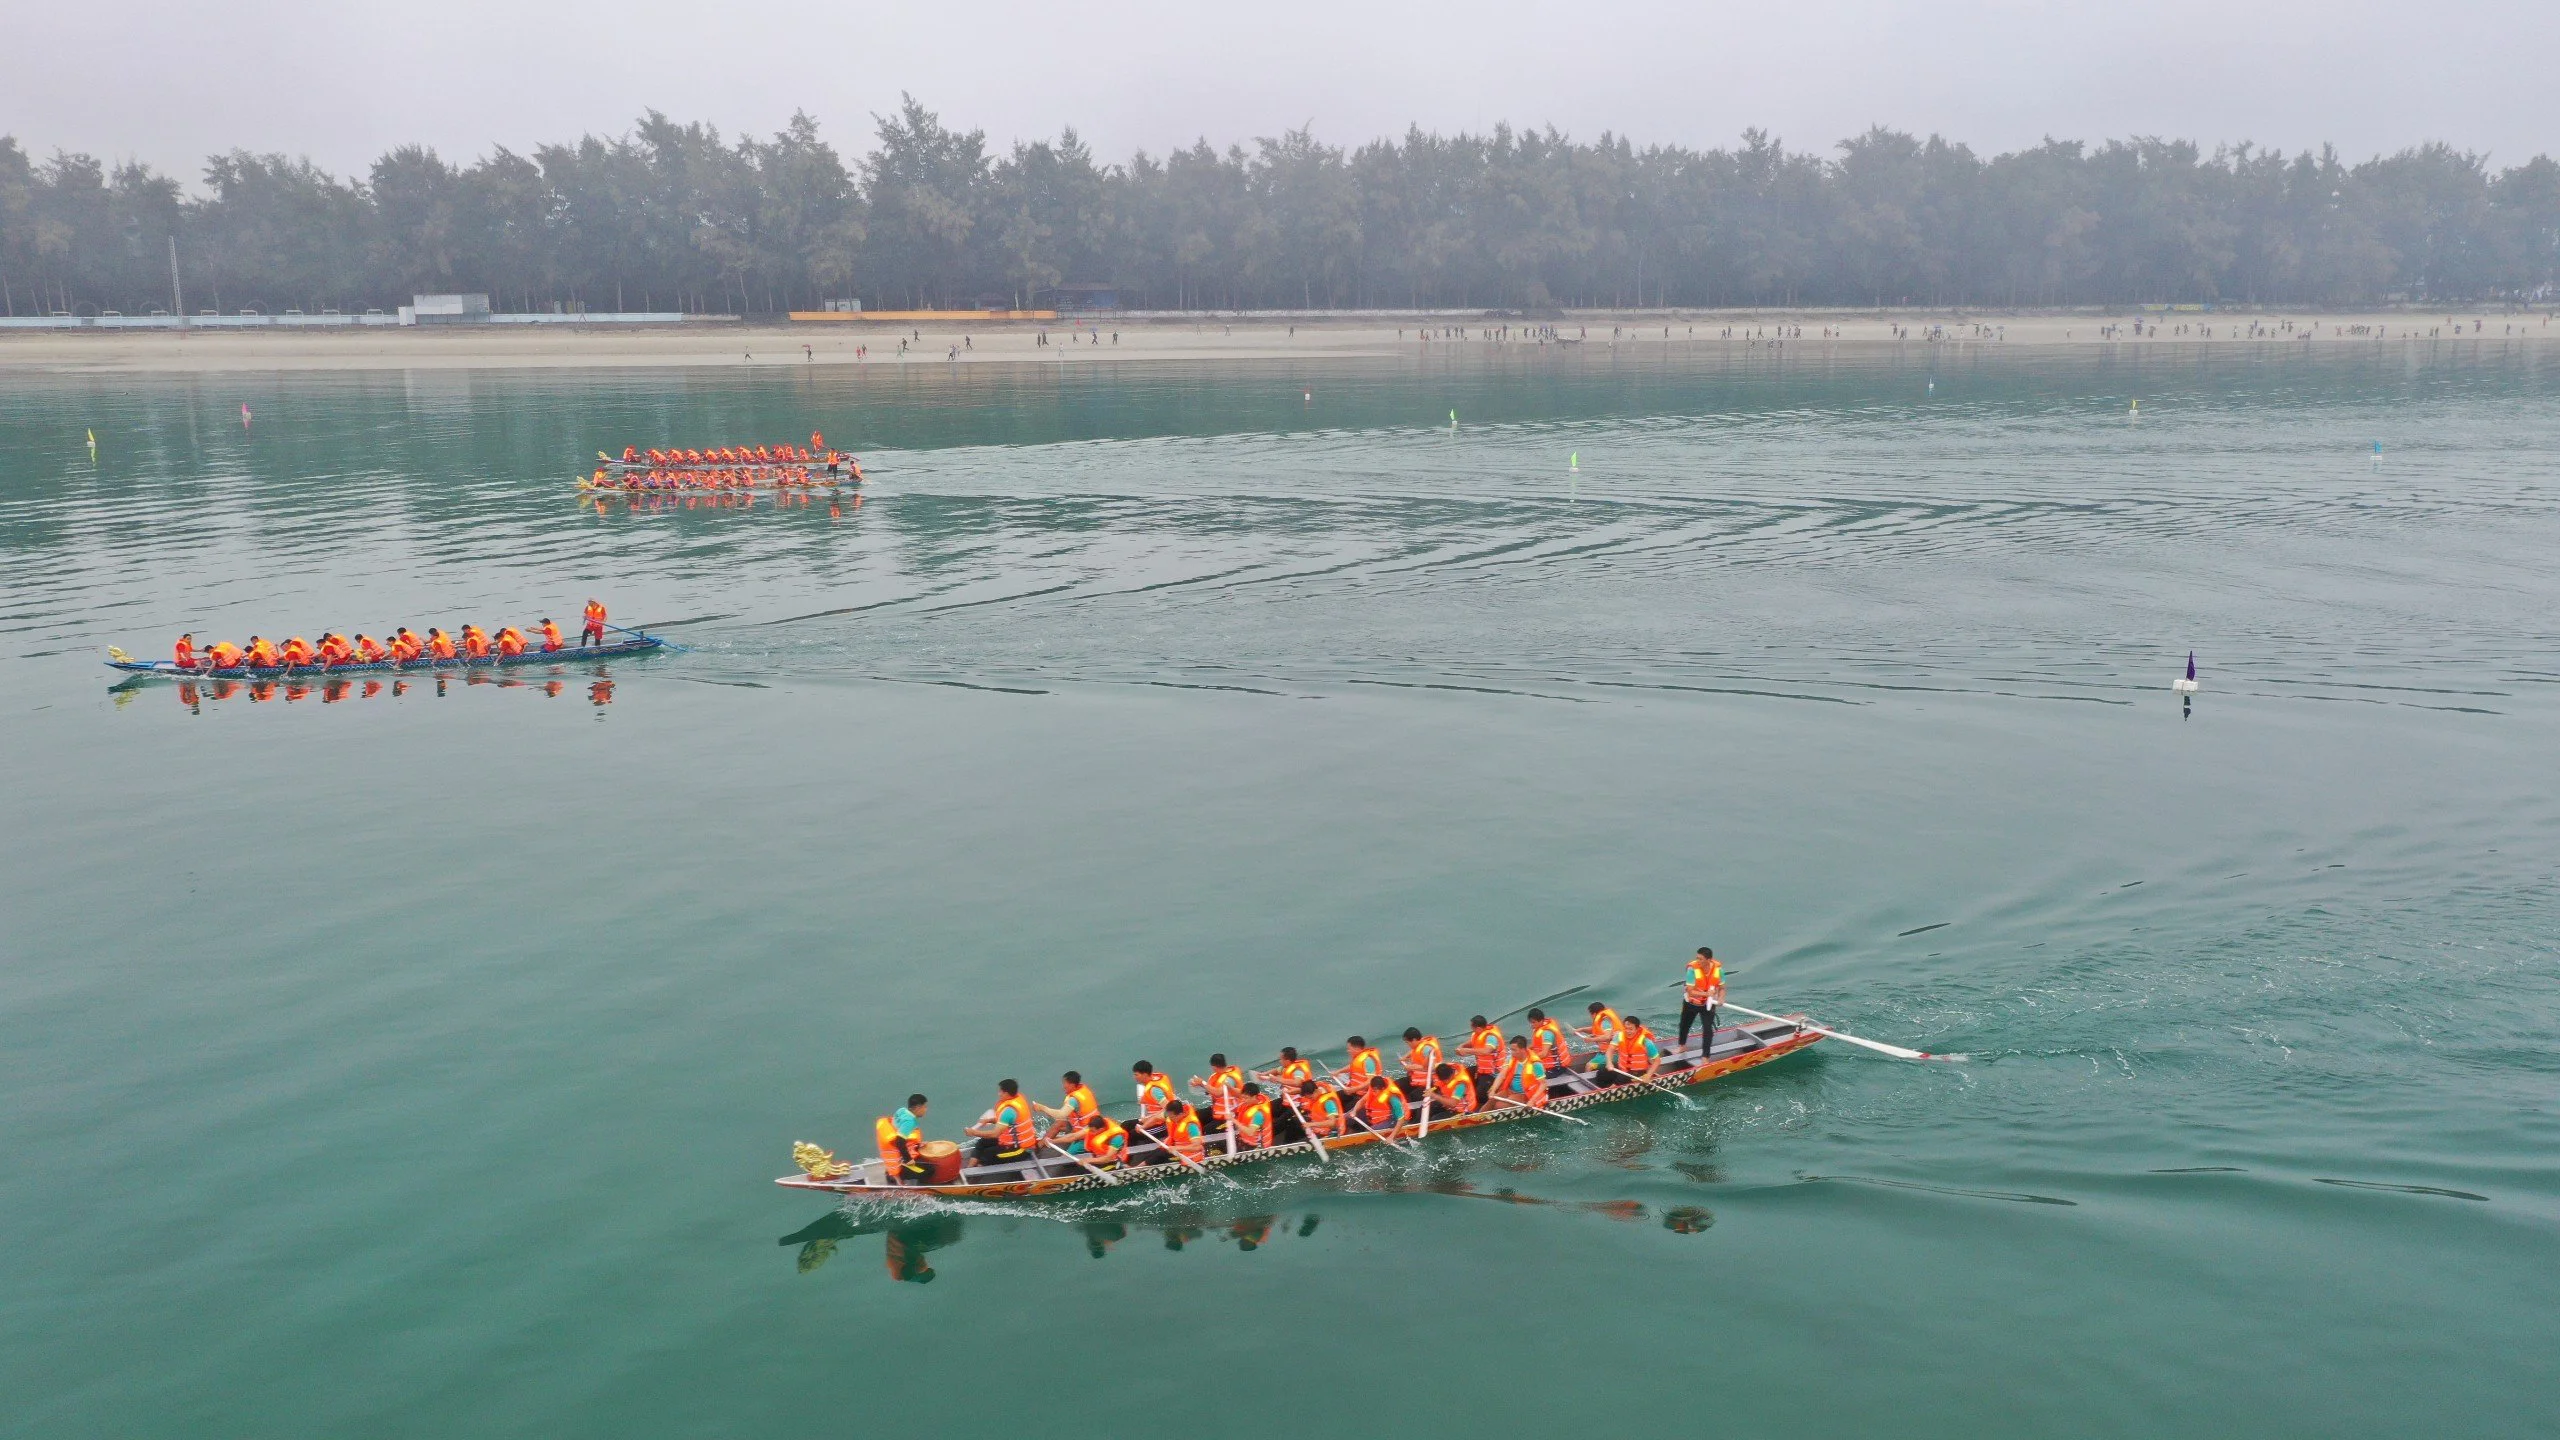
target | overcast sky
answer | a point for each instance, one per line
(169, 81)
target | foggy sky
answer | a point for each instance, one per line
(169, 82)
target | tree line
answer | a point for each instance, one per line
(674, 217)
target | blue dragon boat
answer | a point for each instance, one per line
(639, 644)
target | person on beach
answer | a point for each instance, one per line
(901, 1137)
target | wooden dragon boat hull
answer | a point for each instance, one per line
(566, 655)
(1736, 1049)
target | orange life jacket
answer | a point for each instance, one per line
(406, 647)
(893, 1146)
(1013, 1123)
(1322, 1111)
(297, 651)
(1364, 1062)
(183, 653)
(1604, 1026)
(224, 655)
(263, 652)
(1486, 1047)
(1080, 1103)
(1524, 1079)
(1421, 1058)
(1224, 1082)
(1183, 1135)
(1458, 1092)
(1381, 1108)
(1705, 983)
(1635, 1053)
(440, 645)
(1253, 1121)
(510, 641)
(1548, 1042)
(1296, 1070)
(550, 636)
(1154, 1093)
(370, 648)
(1105, 1146)
(595, 612)
(474, 644)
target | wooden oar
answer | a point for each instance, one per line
(1537, 1109)
(1881, 1048)
(1105, 1176)
(1352, 1114)
(670, 644)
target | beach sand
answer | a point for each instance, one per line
(871, 343)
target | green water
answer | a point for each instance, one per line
(419, 1063)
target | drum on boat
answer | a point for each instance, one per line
(941, 1161)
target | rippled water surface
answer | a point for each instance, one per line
(416, 1060)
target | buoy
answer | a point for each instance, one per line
(2187, 684)
(93, 447)
(244, 415)
(2136, 411)
(1577, 460)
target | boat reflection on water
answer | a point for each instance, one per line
(194, 695)
(906, 1240)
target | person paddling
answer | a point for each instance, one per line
(183, 654)
(1292, 1071)
(1364, 1063)
(1523, 1079)
(1008, 1132)
(1319, 1110)
(1381, 1108)
(1547, 1040)
(1155, 1093)
(509, 641)
(1701, 991)
(224, 656)
(550, 635)
(901, 1137)
(1421, 1057)
(1104, 1143)
(1484, 1050)
(1182, 1131)
(1250, 1121)
(593, 634)
(1068, 1119)
(1633, 1056)
(1453, 1090)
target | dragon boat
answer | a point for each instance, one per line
(1729, 1051)
(638, 644)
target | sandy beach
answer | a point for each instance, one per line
(733, 343)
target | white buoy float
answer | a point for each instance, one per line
(2186, 684)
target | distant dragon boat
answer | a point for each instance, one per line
(638, 644)
(1732, 1050)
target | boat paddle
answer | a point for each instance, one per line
(1105, 1176)
(1881, 1048)
(670, 644)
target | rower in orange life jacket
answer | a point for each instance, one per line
(1634, 1055)
(1548, 1041)
(1068, 1119)
(593, 634)
(1182, 1130)
(183, 654)
(406, 647)
(508, 641)
(475, 642)
(629, 454)
(1011, 1130)
(1104, 1144)
(901, 1137)
(1523, 1079)
(370, 650)
(1453, 1090)
(1483, 1048)
(439, 644)
(1224, 1082)
(1319, 1110)
(296, 651)
(817, 442)
(1155, 1092)
(1603, 1029)
(223, 656)
(1701, 992)
(1381, 1106)
(1250, 1122)
(550, 635)
(1421, 1057)
(334, 649)
(262, 653)
(1290, 1073)
(1364, 1063)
